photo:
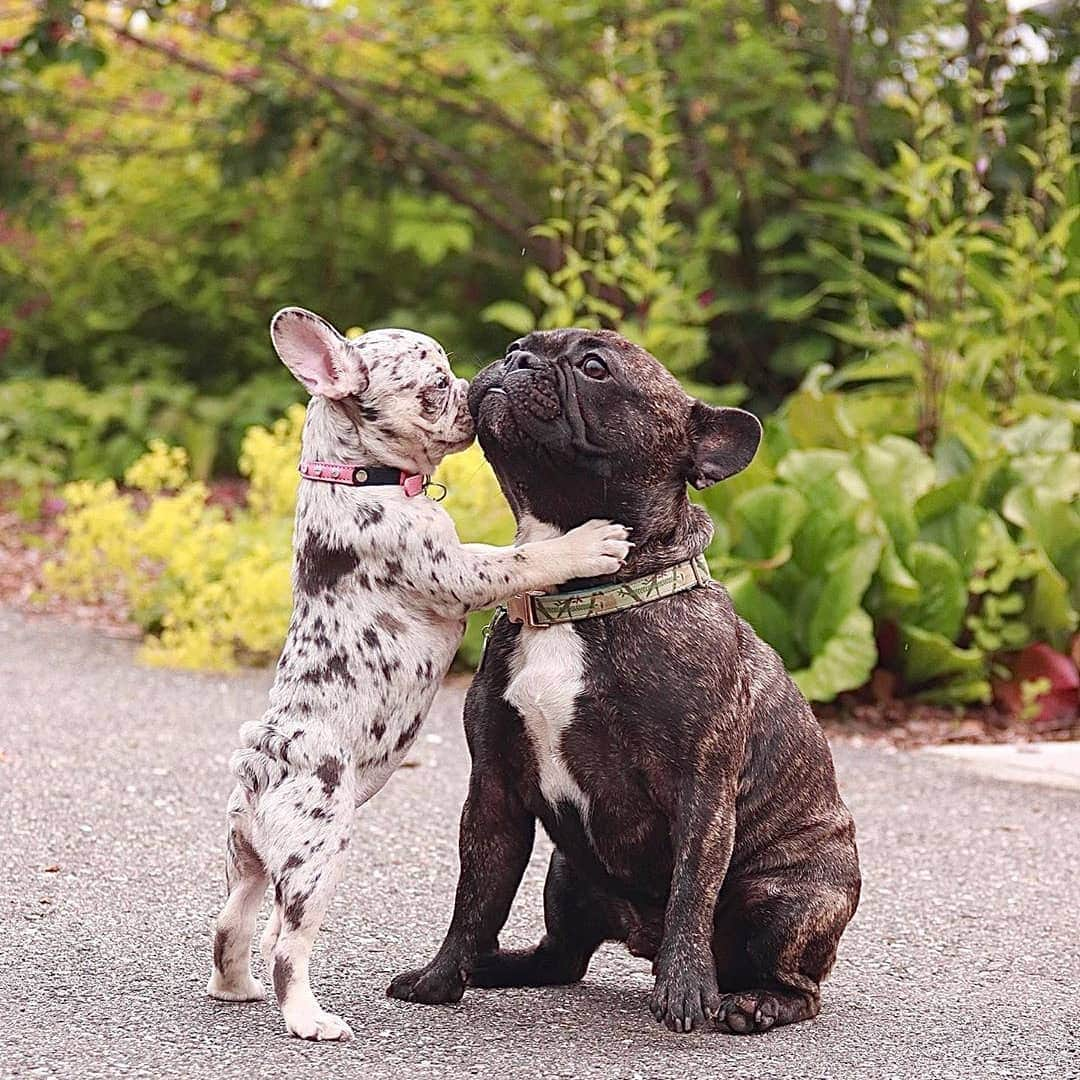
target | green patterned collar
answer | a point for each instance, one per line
(548, 609)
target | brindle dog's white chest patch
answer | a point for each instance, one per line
(547, 671)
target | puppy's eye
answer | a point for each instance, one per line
(442, 382)
(594, 367)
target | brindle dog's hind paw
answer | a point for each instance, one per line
(747, 1013)
(751, 1011)
(526, 967)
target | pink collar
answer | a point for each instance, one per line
(332, 472)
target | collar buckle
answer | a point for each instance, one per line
(519, 609)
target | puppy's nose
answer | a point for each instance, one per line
(520, 360)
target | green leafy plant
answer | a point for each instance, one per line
(871, 552)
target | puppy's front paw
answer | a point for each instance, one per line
(318, 1026)
(437, 984)
(685, 995)
(597, 548)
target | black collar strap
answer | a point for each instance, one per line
(331, 472)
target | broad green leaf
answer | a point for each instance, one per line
(957, 531)
(767, 518)
(943, 498)
(842, 512)
(893, 362)
(1058, 473)
(898, 588)
(897, 472)
(1051, 611)
(845, 661)
(815, 419)
(928, 657)
(1052, 523)
(1036, 433)
(943, 592)
(844, 580)
(770, 618)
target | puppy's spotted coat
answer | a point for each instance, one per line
(382, 586)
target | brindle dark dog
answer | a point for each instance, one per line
(685, 783)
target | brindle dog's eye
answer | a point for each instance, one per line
(594, 367)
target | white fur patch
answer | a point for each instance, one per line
(547, 673)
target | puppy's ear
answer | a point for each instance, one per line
(317, 354)
(722, 443)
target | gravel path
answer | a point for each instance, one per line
(962, 961)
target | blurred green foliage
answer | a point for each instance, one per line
(747, 188)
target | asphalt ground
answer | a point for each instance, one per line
(963, 960)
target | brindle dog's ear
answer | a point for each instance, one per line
(324, 361)
(723, 442)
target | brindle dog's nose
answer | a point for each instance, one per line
(520, 360)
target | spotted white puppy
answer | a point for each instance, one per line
(381, 586)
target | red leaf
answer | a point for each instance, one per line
(1040, 661)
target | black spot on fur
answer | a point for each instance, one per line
(407, 736)
(369, 412)
(335, 669)
(293, 911)
(221, 943)
(371, 638)
(320, 567)
(378, 728)
(391, 624)
(329, 774)
(393, 567)
(292, 862)
(368, 514)
(283, 975)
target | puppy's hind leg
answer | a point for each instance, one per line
(306, 821)
(246, 878)
(269, 938)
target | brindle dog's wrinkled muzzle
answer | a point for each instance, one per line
(530, 401)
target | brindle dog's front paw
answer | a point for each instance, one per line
(437, 984)
(685, 995)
